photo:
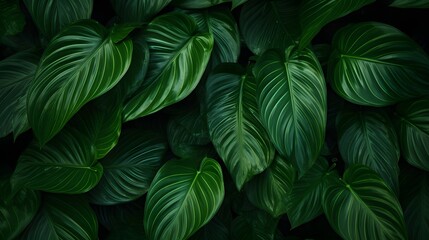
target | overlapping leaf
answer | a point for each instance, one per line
(214, 230)
(64, 165)
(197, 3)
(235, 129)
(63, 217)
(362, 206)
(12, 20)
(369, 138)
(51, 16)
(375, 64)
(129, 168)
(138, 11)
(292, 103)
(256, 225)
(270, 190)
(236, 3)
(315, 14)
(413, 129)
(175, 44)
(410, 3)
(16, 73)
(80, 64)
(16, 212)
(269, 24)
(183, 197)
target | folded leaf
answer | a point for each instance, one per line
(138, 11)
(183, 197)
(79, 64)
(375, 64)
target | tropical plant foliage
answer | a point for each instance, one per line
(204, 119)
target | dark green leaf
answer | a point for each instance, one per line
(118, 32)
(413, 129)
(256, 225)
(375, 64)
(214, 230)
(410, 4)
(120, 215)
(225, 32)
(63, 217)
(323, 52)
(80, 64)
(305, 199)
(236, 3)
(127, 233)
(315, 14)
(197, 3)
(269, 24)
(138, 11)
(12, 20)
(16, 73)
(17, 212)
(362, 206)
(64, 165)
(130, 167)
(270, 190)
(415, 202)
(184, 47)
(236, 132)
(183, 197)
(369, 138)
(51, 16)
(292, 103)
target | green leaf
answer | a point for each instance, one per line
(183, 48)
(79, 64)
(51, 16)
(269, 24)
(410, 4)
(63, 217)
(12, 20)
(121, 215)
(413, 129)
(64, 165)
(222, 25)
(197, 3)
(16, 73)
(256, 225)
(375, 64)
(119, 32)
(183, 197)
(305, 199)
(362, 206)
(236, 3)
(292, 103)
(214, 230)
(138, 11)
(236, 132)
(315, 14)
(415, 202)
(130, 167)
(269, 190)
(369, 138)
(16, 213)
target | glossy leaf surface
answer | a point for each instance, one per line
(183, 197)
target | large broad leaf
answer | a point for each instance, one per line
(65, 165)
(80, 64)
(255, 225)
(415, 202)
(292, 103)
(236, 132)
(12, 20)
(369, 138)
(410, 4)
(225, 32)
(138, 11)
(315, 14)
(413, 121)
(183, 197)
(362, 206)
(269, 24)
(17, 212)
(375, 64)
(174, 44)
(197, 3)
(270, 190)
(16, 73)
(305, 199)
(51, 16)
(63, 217)
(130, 167)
